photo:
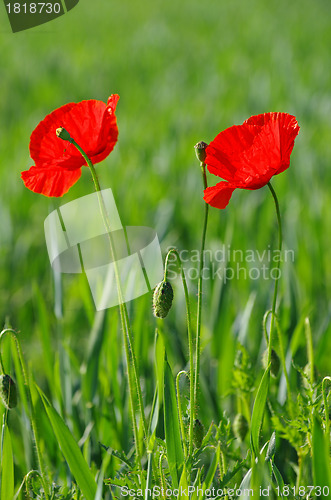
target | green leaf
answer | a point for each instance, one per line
(183, 486)
(71, 451)
(321, 459)
(212, 470)
(7, 465)
(271, 447)
(148, 488)
(175, 454)
(278, 477)
(258, 411)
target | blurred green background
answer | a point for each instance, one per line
(184, 72)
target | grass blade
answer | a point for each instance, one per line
(183, 486)
(258, 411)
(175, 453)
(7, 466)
(212, 470)
(321, 459)
(71, 451)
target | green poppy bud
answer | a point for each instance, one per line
(275, 363)
(240, 426)
(198, 433)
(63, 134)
(8, 392)
(162, 299)
(200, 151)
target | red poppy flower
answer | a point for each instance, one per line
(58, 163)
(248, 155)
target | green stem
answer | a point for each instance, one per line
(180, 413)
(190, 342)
(326, 407)
(274, 302)
(128, 341)
(199, 311)
(30, 406)
(310, 351)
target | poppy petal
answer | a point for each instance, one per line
(248, 155)
(275, 140)
(224, 155)
(52, 181)
(219, 196)
(91, 123)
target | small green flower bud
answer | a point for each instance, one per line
(240, 426)
(200, 151)
(275, 363)
(63, 134)
(8, 393)
(198, 433)
(162, 299)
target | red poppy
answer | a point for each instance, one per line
(92, 124)
(248, 155)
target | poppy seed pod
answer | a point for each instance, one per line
(240, 426)
(162, 299)
(8, 392)
(198, 433)
(200, 151)
(275, 363)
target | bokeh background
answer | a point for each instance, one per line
(184, 72)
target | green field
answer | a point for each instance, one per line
(184, 72)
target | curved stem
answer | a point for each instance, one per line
(280, 241)
(190, 342)
(32, 415)
(180, 413)
(128, 341)
(199, 311)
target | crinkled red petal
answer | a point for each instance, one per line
(250, 154)
(219, 196)
(50, 181)
(91, 123)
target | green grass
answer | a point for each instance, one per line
(184, 71)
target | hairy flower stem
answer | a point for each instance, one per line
(32, 415)
(190, 343)
(199, 311)
(128, 341)
(180, 412)
(274, 302)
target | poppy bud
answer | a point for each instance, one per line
(275, 363)
(240, 426)
(162, 299)
(198, 433)
(200, 151)
(8, 393)
(63, 134)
